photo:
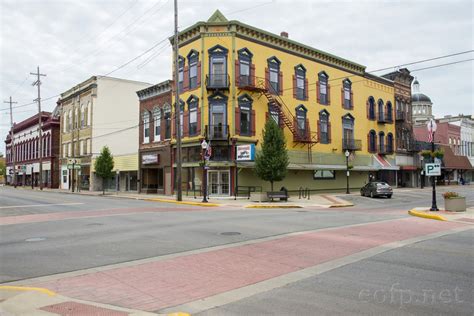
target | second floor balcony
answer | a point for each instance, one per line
(381, 118)
(400, 116)
(217, 81)
(351, 144)
(217, 132)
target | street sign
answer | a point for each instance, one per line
(433, 169)
(76, 167)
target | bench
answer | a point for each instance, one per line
(282, 195)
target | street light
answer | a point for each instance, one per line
(431, 126)
(204, 171)
(347, 154)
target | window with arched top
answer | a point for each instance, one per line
(390, 143)
(300, 83)
(371, 108)
(167, 117)
(322, 87)
(381, 142)
(372, 141)
(380, 109)
(193, 115)
(157, 124)
(324, 127)
(146, 126)
(388, 112)
(301, 113)
(245, 115)
(273, 75)
(193, 58)
(347, 100)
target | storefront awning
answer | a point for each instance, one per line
(452, 161)
(381, 163)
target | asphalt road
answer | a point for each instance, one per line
(434, 277)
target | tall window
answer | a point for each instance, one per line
(146, 127)
(245, 107)
(167, 116)
(371, 108)
(181, 118)
(70, 127)
(157, 124)
(301, 120)
(274, 74)
(372, 141)
(245, 60)
(380, 110)
(323, 88)
(382, 142)
(300, 75)
(347, 90)
(193, 121)
(274, 114)
(181, 73)
(324, 127)
(193, 71)
(389, 143)
(389, 111)
(348, 127)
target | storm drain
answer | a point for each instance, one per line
(230, 233)
(35, 239)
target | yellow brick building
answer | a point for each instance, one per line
(233, 77)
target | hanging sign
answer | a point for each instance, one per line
(245, 152)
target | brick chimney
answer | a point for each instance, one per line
(284, 34)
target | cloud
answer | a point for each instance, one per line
(73, 40)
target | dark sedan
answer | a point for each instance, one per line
(376, 188)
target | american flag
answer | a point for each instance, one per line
(430, 137)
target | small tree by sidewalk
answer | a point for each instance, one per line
(272, 161)
(103, 166)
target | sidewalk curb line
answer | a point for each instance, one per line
(273, 206)
(341, 205)
(413, 212)
(183, 202)
(26, 288)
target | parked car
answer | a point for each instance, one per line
(377, 188)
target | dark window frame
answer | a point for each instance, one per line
(323, 79)
(381, 142)
(193, 60)
(372, 112)
(372, 141)
(193, 104)
(181, 64)
(322, 177)
(245, 107)
(300, 75)
(245, 60)
(274, 66)
(347, 87)
(271, 113)
(301, 109)
(324, 120)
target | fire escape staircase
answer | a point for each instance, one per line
(310, 139)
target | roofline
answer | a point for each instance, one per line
(155, 90)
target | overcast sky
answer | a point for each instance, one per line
(72, 40)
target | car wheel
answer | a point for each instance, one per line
(362, 193)
(389, 196)
(372, 194)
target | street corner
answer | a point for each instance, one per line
(335, 201)
(22, 300)
(426, 213)
(183, 202)
(272, 206)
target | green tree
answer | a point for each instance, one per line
(272, 161)
(3, 168)
(103, 166)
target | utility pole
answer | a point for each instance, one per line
(12, 147)
(40, 142)
(177, 106)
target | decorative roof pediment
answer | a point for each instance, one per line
(274, 60)
(300, 67)
(192, 98)
(245, 98)
(245, 52)
(348, 116)
(193, 53)
(217, 17)
(324, 112)
(218, 49)
(218, 97)
(301, 107)
(323, 74)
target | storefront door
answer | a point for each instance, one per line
(218, 181)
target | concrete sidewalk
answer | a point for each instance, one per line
(326, 200)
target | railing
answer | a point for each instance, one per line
(388, 118)
(351, 144)
(217, 132)
(247, 82)
(400, 115)
(217, 81)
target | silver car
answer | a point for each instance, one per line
(377, 188)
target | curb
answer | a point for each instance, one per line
(416, 213)
(26, 288)
(341, 205)
(273, 206)
(183, 202)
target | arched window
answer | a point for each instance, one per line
(323, 88)
(193, 57)
(372, 141)
(347, 101)
(390, 143)
(146, 126)
(245, 113)
(167, 116)
(380, 110)
(245, 77)
(301, 120)
(83, 115)
(157, 123)
(371, 108)
(193, 115)
(381, 142)
(274, 77)
(324, 128)
(299, 83)
(389, 116)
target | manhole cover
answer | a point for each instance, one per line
(230, 233)
(35, 239)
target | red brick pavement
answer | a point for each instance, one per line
(156, 285)
(46, 217)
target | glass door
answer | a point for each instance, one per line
(213, 182)
(218, 73)
(219, 182)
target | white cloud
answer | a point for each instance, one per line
(72, 40)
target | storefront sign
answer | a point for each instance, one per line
(150, 159)
(246, 152)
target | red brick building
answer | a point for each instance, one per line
(155, 172)
(27, 155)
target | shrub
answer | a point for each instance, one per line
(450, 195)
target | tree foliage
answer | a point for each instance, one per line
(103, 165)
(272, 161)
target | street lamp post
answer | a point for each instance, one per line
(204, 171)
(347, 154)
(432, 129)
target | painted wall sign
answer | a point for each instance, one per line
(150, 159)
(245, 153)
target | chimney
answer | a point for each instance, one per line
(284, 34)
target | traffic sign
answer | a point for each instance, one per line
(433, 169)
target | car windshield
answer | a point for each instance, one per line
(382, 184)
